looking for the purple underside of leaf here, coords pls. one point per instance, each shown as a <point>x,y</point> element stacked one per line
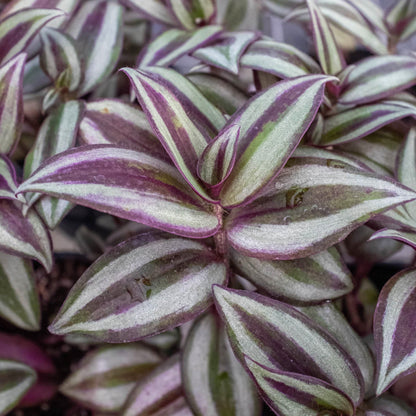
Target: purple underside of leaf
<point>408,238</point>
<point>150,283</point>
<point>310,207</point>
<point>395,329</point>
<point>125,183</point>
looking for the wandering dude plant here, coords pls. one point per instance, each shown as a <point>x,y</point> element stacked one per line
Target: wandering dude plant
<point>238,192</point>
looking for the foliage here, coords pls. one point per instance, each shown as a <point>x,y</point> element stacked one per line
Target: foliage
<point>234,177</point>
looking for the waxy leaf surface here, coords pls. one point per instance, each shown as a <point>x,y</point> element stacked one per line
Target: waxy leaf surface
<point>19,302</point>
<point>150,284</point>
<point>378,77</point>
<point>277,336</point>
<point>220,386</point>
<point>97,29</point>
<point>280,59</point>
<point>57,134</point>
<point>15,380</point>
<point>125,183</point>
<point>175,43</point>
<point>180,119</point>
<point>394,329</point>
<point>291,394</point>
<point>312,205</point>
<point>359,122</point>
<point>271,124</point>
<point>11,102</point>
<point>226,52</point>
<point>18,30</point>
<point>105,377</point>
<point>312,279</point>
<point>24,235</point>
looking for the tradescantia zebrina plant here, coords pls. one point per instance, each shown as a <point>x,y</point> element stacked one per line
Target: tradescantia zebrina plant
<point>239,193</point>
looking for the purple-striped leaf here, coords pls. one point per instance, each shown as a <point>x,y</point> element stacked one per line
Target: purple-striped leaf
<point>409,30</point>
<point>19,302</point>
<point>271,124</point>
<point>218,158</point>
<point>97,29</point>
<point>172,44</point>
<point>151,283</point>
<point>57,134</point>
<point>106,376</point>
<point>193,13</point>
<point>127,184</point>
<point>329,55</point>
<point>24,235</point>
<point>310,280</point>
<point>282,8</point>
<point>280,59</point>
<point>279,337</point>
<point>372,12</point>
<point>348,19</point>
<point>160,393</point>
<point>34,79</point>
<point>378,77</point>
<point>328,317</point>
<point>222,93</point>
<point>60,61</point>
<point>312,205</point>
<point>400,18</point>
<point>220,386</point>
<point>8,181</point>
<point>388,405</point>
<point>110,121</point>
<point>181,119</point>
<point>15,380</point>
<point>16,5</point>
<point>394,329</point>
<point>18,30</point>
<point>358,122</point>
<point>11,102</point>
<point>291,394</point>
<point>226,52</point>
<point>406,237</point>
<point>152,9</point>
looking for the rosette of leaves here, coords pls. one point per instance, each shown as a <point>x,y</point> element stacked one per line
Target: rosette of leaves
<point>243,188</point>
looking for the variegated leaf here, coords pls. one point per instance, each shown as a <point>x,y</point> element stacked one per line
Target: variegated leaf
<point>328,317</point>
<point>310,280</point>
<point>398,17</point>
<point>271,124</point>
<point>409,30</point>
<point>394,329</point>
<point>193,13</point>
<point>172,44</point>
<point>15,380</point>
<point>240,14</point>
<point>406,161</point>
<point>97,29</point>
<point>362,120</point>
<point>279,337</point>
<point>291,394</point>
<point>226,52</point>
<point>60,61</point>
<point>11,102</point>
<point>218,158</point>
<point>16,5</point>
<point>280,59</point>
<point>19,302</point>
<point>151,283</point>
<point>181,119</point>
<point>110,121</point>
<point>106,376</point>
<point>154,194</point>
<point>329,55</point>
<point>18,30</point>
<point>220,386</point>
<point>57,134</point>
<point>388,405</point>
<point>406,237</point>
<point>24,235</point>
<point>223,94</point>
<point>161,389</point>
<point>378,77</point>
<point>8,181</point>
<point>313,205</point>
<point>372,13</point>
<point>153,9</point>
<point>34,79</point>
